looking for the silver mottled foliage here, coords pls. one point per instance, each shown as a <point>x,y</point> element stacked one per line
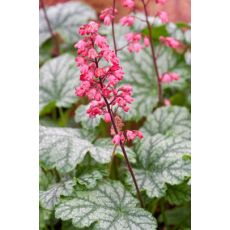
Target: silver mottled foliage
<point>110,205</point>
<point>64,148</point>
<point>65,19</point>
<point>82,117</point>
<point>161,161</point>
<point>169,121</point>
<point>89,180</point>
<point>51,197</point>
<point>58,78</point>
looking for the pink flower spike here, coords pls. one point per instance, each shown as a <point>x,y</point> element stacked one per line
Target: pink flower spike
<point>146,41</point>
<point>167,102</point>
<point>127,21</point>
<point>161,2</point>
<point>107,117</point>
<point>116,139</point>
<point>170,42</point>
<point>128,3</point>
<point>163,16</point>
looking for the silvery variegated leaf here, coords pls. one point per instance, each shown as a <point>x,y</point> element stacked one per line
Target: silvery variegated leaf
<point>110,206</point>
<point>65,19</point>
<point>90,178</point>
<point>50,198</point>
<point>58,78</point>
<point>82,117</point>
<point>64,148</point>
<point>161,161</point>
<point>169,121</point>
<point>139,73</point>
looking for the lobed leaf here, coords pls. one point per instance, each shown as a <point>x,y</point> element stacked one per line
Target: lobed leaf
<point>58,78</point>
<point>169,121</point>
<point>50,198</point>
<point>110,206</point>
<point>161,161</point>
<point>65,19</point>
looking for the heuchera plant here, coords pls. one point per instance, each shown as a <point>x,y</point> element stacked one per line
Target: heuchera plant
<point>88,183</point>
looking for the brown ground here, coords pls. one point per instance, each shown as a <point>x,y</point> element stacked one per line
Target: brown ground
<point>178,10</point>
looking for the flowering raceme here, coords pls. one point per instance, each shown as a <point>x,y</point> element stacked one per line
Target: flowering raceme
<point>100,73</point>
<point>107,15</point>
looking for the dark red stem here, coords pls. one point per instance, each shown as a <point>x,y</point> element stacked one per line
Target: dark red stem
<point>154,59</point>
<point>113,31</point>
<point>121,144</point>
<point>55,51</point>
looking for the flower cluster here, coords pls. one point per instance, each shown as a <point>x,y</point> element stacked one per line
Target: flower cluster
<point>170,42</point>
<point>128,135</point>
<point>169,77</point>
<point>128,3</point>
<point>100,72</point>
<point>134,40</point>
<point>107,15</point>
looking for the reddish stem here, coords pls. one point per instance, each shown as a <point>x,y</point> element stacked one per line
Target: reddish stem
<point>113,30</point>
<point>154,59</point>
<point>121,144</point>
<point>55,51</point>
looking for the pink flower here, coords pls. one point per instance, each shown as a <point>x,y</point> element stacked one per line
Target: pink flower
<point>89,28</point>
<point>170,42</point>
<point>100,41</point>
<point>134,47</point>
<point>116,139</point>
<point>100,72</point>
<point>107,15</point>
<point>163,16</point>
<point>139,134</point>
<point>79,61</point>
<point>130,135</point>
<point>169,77</point>
<point>128,3</point>
<point>146,41</point>
<point>127,21</point>
<point>161,1</point>
<point>167,102</point>
<point>107,117</point>
<point>92,53</point>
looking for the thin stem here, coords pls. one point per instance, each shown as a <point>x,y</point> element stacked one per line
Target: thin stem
<point>55,52</point>
<point>123,149</point>
<point>113,30</point>
<point>154,59</point>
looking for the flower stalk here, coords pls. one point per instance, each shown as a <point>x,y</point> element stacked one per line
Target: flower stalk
<point>154,59</point>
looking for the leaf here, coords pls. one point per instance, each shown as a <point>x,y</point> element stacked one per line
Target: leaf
<point>44,218</point>
<point>161,161</point>
<point>58,78</point>
<point>82,117</point>
<point>139,73</point>
<point>50,198</point>
<point>64,148</point>
<point>110,205</point>
<point>178,194</point>
<point>179,216</point>
<point>169,121</point>
<point>65,19</point>
<point>89,180</point>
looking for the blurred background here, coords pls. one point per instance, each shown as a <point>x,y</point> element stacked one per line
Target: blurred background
<point>178,10</point>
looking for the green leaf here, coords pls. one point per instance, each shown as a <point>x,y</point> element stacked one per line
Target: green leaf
<point>160,162</point>
<point>179,217</point>
<point>169,121</point>
<point>58,78</point>
<point>50,198</point>
<point>44,218</point>
<point>110,205</point>
<point>178,194</point>
<point>82,117</point>
<point>139,73</point>
<point>64,148</point>
<point>65,19</point>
